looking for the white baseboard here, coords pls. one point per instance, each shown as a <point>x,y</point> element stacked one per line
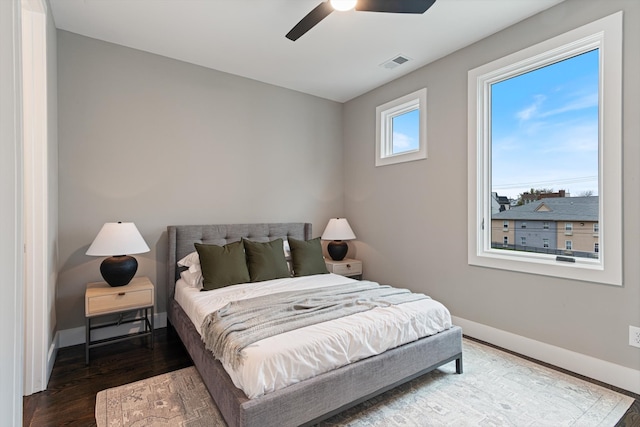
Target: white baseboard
<point>601,370</point>
<point>75,336</point>
<point>51,356</point>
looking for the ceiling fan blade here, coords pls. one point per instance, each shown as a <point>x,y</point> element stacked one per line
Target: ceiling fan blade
<point>394,6</point>
<point>308,22</point>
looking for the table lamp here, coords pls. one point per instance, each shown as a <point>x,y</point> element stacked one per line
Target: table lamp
<point>338,230</point>
<point>117,240</point>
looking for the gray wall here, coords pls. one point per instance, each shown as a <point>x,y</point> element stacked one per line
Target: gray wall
<point>159,142</point>
<point>417,237</point>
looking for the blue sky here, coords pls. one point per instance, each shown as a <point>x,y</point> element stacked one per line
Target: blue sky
<point>545,129</point>
<point>405,131</point>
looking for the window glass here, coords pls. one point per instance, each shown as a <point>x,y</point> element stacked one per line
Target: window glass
<point>539,119</point>
<point>406,135</point>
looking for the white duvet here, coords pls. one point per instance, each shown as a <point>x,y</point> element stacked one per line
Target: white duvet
<point>285,359</point>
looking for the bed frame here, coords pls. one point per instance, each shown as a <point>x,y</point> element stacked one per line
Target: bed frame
<point>312,400</point>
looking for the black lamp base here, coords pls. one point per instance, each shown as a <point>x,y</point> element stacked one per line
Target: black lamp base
<point>118,270</point>
<point>337,249</point>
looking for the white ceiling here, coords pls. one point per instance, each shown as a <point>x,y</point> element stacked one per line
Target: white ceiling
<point>338,59</point>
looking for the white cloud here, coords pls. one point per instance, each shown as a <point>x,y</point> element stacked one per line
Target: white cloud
<point>531,110</point>
<point>403,142</point>
<point>586,101</point>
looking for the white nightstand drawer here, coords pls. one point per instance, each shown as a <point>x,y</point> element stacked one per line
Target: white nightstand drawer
<point>346,267</point>
<point>101,299</point>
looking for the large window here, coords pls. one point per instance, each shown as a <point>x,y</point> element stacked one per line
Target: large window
<point>401,129</point>
<point>545,131</point>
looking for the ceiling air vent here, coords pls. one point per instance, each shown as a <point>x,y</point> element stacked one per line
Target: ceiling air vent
<point>393,63</point>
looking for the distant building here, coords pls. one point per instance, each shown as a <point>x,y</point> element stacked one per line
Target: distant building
<point>499,203</point>
<point>533,197</point>
<point>558,225</point>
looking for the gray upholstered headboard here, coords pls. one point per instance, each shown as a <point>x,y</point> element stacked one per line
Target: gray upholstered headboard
<point>182,238</point>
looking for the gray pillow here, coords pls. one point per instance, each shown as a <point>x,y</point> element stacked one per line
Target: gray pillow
<point>222,265</point>
<point>306,257</point>
<point>266,260</point>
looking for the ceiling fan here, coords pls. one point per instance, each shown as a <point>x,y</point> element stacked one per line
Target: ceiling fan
<point>325,8</point>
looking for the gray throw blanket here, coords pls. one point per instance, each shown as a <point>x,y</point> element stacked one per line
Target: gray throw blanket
<point>227,331</point>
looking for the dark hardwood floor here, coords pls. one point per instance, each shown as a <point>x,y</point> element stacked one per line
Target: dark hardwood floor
<point>71,395</point>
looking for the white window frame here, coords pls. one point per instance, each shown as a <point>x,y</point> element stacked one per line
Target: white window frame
<point>385,114</point>
<point>545,243</point>
<point>505,225</point>
<point>568,229</point>
<point>568,245</point>
<point>606,35</point>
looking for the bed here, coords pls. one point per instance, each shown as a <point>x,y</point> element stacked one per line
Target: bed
<point>310,400</point>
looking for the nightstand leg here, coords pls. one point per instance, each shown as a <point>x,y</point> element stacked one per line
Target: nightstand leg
<point>152,327</point>
<point>87,339</point>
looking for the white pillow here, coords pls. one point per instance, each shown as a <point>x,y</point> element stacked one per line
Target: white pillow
<point>286,248</point>
<point>193,276</point>
<point>190,260</point>
<point>192,279</point>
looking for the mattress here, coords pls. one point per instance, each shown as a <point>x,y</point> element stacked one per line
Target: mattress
<point>285,359</point>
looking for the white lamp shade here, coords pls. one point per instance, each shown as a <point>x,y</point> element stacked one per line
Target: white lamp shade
<point>118,238</point>
<point>338,229</point>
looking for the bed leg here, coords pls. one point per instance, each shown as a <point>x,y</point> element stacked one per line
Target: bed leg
<point>459,365</point>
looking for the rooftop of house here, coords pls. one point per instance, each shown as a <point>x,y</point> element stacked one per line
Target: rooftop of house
<point>554,209</point>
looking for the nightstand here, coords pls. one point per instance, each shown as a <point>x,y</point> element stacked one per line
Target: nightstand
<point>100,299</point>
<point>347,267</point>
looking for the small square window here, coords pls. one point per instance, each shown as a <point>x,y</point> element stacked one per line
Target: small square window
<point>401,129</point>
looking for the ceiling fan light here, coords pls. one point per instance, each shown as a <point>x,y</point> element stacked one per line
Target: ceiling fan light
<point>343,5</point>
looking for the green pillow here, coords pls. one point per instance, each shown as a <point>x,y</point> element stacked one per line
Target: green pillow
<point>266,260</point>
<point>222,265</point>
<point>306,257</point>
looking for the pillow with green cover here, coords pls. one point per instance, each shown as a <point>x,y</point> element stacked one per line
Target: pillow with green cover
<point>266,260</point>
<point>306,257</point>
<point>222,265</point>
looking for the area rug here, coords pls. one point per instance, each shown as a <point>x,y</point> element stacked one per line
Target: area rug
<point>496,389</point>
